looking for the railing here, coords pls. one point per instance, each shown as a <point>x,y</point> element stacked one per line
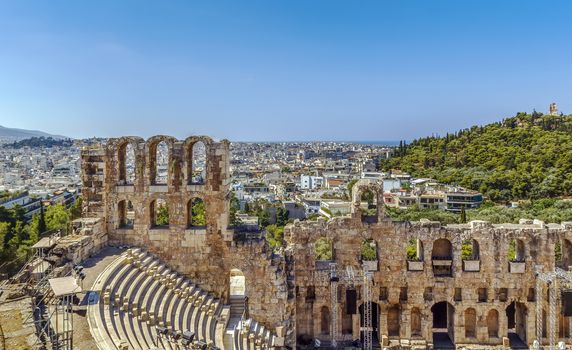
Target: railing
<point>21,195</point>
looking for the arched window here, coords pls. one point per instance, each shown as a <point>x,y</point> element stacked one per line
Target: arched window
<point>369,213</point>
<point>415,322</point>
<point>159,163</point>
<point>323,249</point>
<point>196,213</point>
<point>442,256</point>
<point>415,250</point>
<point>196,163</point>
<point>126,160</point>
<point>126,214</point>
<point>159,213</point>
<point>493,323</point>
<point>516,251</point>
<point>442,250</point>
<point>470,323</point>
<point>470,250</point>
<point>368,250</point>
<point>325,320</point>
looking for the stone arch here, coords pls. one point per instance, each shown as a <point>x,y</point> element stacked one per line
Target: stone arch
<point>374,319</point>
<point>376,188</point>
<point>324,320</point>
<point>442,249</point>
<point>415,322</point>
<point>161,164</point>
<point>516,314</point>
<point>196,213</point>
<point>442,256</point>
<point>125,214</point>
<point>159,213</point>
<point>126,162</point>
<point>493,323</point>
<point>470,249</point>
<point>470,323</point>
<point>237,283</point>
<point>516,250</point>
<point>124,151</point>
<point>196,149</point>
<point>444,321</point>
<point>414,250</point>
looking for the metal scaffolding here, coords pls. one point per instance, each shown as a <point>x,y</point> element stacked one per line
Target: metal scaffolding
<point>336,276</point>
<point>553,282</point>
<point>367,322</point>
<point>334,303</point>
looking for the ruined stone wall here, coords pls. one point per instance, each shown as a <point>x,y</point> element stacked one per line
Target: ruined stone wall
<point>206,254</point>
<point>405,298</point>
<point>291,292</point>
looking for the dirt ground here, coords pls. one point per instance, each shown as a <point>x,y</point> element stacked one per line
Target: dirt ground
<point>18,336</point>
<point>92,267</point>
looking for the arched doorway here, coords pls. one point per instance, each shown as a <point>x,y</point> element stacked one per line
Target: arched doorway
<point>126,160</point>
<point>374,322</point>
<point>516,315</point>
<point>443,325</point>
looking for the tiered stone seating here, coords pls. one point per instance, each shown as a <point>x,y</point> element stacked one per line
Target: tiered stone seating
<point>138,293</point>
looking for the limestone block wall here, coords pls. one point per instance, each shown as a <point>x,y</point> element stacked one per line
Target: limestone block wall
<point>206,254</point>
<point>290,292</point>
<point>399,292</point>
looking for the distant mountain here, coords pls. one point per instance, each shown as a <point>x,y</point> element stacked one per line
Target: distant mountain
<point>13,134</point>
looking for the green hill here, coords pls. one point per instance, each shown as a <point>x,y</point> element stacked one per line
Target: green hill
<point>528,156</point>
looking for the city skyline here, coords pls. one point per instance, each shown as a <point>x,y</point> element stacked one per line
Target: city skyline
<point>258,71</point>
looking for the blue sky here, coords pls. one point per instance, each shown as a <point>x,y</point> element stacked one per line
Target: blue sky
<point>280,70</point>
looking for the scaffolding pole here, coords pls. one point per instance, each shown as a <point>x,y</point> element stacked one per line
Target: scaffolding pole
<point>554,281</point>
<point>367,324</point>
<point>334,303</point>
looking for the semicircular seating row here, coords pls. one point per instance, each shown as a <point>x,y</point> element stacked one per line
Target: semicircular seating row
<point>140,297</point>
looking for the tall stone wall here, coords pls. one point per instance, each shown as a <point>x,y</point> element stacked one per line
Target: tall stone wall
<point>484,286</point>
<point>290,292</point>
<point>206,254</point>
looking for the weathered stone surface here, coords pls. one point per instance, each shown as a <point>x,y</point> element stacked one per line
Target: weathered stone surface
<point>290,292</point>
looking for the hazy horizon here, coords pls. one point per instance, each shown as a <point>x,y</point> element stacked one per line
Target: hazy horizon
<point>296,70</point>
